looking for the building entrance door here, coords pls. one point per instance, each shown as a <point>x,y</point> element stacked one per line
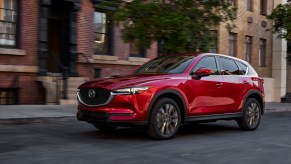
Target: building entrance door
<point>58,37</point>
<point>54,46</point>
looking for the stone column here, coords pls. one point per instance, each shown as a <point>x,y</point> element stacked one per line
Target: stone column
<point>279,70</point>
<point>279,63</point>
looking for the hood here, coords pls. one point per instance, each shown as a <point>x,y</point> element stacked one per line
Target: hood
<point>115,82</point>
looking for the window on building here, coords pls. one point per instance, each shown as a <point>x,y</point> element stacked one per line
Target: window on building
<point>8,96</point>
<point>262,53</point>
<point>249,5</point>
<point>135,51</point>
<point>289,46</point>
<point>97,72</point>
<point>233,2</point>
<point>8,22</point>
<point>263,7</point>
<point>289,52</point>
<point>214,45</point>
<point>102,33</point>
<point>248,42</point>
<point>232,47</point>
<point>161,44</point>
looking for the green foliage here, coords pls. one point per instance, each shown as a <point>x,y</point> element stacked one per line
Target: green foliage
<point>183,25</point>
<point>281,16</point>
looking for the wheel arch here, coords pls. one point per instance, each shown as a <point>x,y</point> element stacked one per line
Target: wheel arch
<point>258,96</point>
<point>174,95</point>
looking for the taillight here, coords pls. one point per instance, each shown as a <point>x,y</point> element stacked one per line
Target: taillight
<point>257,79</point>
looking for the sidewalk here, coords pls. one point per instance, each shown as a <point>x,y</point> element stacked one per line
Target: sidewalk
<point>34,113</point>
<point>277,107</point>
<point>21,114</point>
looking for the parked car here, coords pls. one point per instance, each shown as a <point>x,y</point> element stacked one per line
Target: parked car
<point>170,90</point>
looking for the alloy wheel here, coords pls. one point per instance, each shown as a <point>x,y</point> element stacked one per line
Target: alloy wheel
<point>253,114</point>
<point>167,119</point>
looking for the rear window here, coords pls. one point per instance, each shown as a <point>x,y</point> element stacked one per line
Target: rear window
<point>242,68</point>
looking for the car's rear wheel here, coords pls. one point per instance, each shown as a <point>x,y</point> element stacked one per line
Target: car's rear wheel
<point>251,115</point>
<point>105,127</point>
<point>165,119</point>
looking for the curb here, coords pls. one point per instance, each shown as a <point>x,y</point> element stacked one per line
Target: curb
<point>277,110</point>
<point>22,121</point>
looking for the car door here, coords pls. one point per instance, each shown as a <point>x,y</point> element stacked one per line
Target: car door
<point>233,84</point>
<point>205,96</point>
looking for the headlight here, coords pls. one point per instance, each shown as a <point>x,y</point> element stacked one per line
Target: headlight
<point>128,91</point>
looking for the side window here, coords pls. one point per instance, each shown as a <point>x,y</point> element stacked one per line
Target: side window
<point>228,66</point>
<point>242,68</point>
<point>207,62</point>
<point>135,51</point>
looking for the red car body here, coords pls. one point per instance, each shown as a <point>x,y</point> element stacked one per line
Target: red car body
<point>210,96</point>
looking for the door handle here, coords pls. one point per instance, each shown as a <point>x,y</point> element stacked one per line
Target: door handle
<point>219,85</point>
<point>246,82</point>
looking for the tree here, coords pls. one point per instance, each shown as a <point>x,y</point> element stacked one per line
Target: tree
<point>182,25</point>
<point>281,17</point>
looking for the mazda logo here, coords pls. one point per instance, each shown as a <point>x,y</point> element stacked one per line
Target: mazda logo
<point>91,93</point>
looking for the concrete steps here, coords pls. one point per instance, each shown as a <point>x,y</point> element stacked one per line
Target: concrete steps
<point>54,89</point>
<point>288,98</point>
<point>73,84</point>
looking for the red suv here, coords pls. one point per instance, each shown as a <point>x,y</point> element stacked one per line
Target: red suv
<point>170,90</point>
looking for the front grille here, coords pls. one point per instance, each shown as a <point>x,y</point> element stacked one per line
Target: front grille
<point>94,96</point>
<point>93,116</point>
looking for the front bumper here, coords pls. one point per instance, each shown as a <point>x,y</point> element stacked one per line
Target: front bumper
<point>118,118</point>
<point>119,108</point>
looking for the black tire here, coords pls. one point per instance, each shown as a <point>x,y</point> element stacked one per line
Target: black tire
<point>252,112</point>
<point>165,119</point>
<point>105,127</point>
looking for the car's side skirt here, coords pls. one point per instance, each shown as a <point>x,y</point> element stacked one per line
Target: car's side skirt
<point>225,116</point>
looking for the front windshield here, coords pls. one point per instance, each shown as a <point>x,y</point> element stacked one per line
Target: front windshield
<point>166,64</point>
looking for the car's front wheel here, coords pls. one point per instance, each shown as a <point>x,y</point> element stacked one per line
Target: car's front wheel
<point>165,119</point>
<point>251,115</point>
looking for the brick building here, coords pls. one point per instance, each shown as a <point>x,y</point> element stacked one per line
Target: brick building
<point>42,40</point>
<point>39,39</point>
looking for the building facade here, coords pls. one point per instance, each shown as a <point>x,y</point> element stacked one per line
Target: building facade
<point>251,40</point>
<point>49,45</point>
<point>44,41</point>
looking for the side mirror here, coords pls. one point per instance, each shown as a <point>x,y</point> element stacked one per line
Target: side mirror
<point>201,72</point>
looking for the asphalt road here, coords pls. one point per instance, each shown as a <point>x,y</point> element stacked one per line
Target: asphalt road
<point>70,141</point>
